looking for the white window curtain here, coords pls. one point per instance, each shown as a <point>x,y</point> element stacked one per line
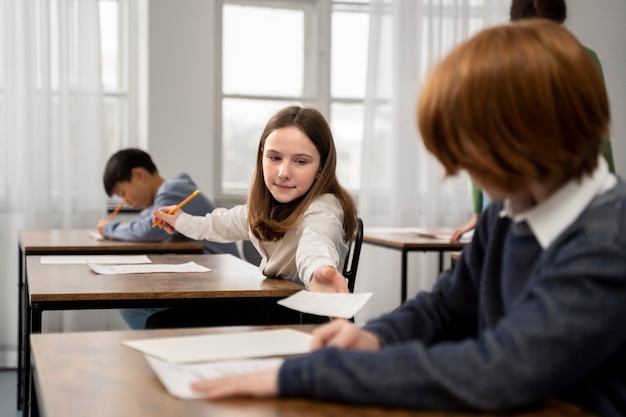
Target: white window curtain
<point>403,185</point>
<point>53,131</point>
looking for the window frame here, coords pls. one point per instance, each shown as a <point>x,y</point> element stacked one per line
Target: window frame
<point>317,79</point>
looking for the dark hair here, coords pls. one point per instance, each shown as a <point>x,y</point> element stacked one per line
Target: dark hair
<point>120,166</point>
<point>555,10</point>
<point>517,102</point>
<point>268,219</point>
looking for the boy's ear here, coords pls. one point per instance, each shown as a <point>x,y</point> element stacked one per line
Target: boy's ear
<point>138,173</point>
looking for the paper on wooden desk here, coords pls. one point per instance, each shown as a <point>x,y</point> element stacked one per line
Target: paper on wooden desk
<point>177,377</point>
<point>216,347</point>
<point>96,259</point>
<point>342,305</point>
<point>147,269</point>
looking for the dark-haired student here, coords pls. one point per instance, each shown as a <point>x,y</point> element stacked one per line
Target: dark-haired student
<point>132,175</point>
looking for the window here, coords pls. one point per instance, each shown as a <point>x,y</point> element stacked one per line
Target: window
<point>278,53</point>
<point>119,30</point>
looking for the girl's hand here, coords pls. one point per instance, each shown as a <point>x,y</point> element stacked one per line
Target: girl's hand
<point>169,220</point>
<point>258,384</point>
<point>345,335</point>
<point>327,279</point>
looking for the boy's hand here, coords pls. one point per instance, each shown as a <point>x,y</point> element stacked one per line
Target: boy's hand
<point>345,335</point>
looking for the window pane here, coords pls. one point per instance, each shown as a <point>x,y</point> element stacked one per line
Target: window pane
<point>115,126</point>
<point>243,123</point>
<point>347,127</point>
<point>349,54</point>
<point>110,42</point>
<point>263,51</point>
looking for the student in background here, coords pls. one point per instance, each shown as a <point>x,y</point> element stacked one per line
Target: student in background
<point>555,10</point>
<point>298,217</point>
<point>132,175</point>
<point>534,309</point>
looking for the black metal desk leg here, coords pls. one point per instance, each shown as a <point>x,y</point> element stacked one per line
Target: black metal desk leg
<point>404,275</point>
<point>33,326</point>
<point>20,324</point>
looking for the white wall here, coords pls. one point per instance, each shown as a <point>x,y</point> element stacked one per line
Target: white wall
<point>180,116</point>
<point>599,26</point>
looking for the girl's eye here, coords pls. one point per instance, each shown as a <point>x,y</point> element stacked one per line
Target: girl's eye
<point>274,158</point>
<point>300,162</point>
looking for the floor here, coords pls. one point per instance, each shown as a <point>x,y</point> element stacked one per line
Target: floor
<point>8,393</point>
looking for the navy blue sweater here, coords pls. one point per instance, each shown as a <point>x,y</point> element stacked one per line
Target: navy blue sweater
<point>512,325</point>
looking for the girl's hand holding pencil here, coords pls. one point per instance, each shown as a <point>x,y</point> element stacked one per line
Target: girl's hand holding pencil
<point>165,217</point>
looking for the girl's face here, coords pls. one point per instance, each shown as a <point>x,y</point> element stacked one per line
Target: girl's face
<point>291,163</point>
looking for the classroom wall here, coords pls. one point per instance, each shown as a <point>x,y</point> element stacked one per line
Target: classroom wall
<point>600,26</point>
<point>180,89</point>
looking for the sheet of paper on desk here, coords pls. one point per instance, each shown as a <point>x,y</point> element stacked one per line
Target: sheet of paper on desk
<point>342,305</point>
<point>96,259</point>
<point>147,269</point>
<point>227,346</point>
<point>443,234</point>
<point>96,235</point>
<point>177,377</point>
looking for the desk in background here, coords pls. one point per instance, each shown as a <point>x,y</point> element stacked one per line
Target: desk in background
<point>76,242</point>
<point>77,287</point>
<point>93,374</point>
<point>405,240</point>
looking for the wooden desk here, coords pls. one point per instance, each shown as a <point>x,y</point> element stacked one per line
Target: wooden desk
<point>76,286</point>
<point>76,242</point>
<point>93,374</point>
<point>405,242</point>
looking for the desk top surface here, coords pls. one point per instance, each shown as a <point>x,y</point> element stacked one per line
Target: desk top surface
<point>228,277</point>
<point>406,238</point>
<point>93,374</point>
<point>78,241</point>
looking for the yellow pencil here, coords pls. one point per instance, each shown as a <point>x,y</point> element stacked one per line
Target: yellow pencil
<point>117,209</point>
<point>176,208</point>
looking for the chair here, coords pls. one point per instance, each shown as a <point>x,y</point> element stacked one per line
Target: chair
<point>250,253</point>
<point>352,260</point>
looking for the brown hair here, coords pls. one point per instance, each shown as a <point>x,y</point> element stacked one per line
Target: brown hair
<point>269,219</point>
<point>516,102</point>
<point>548,9</point>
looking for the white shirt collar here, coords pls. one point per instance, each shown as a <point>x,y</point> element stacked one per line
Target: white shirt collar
<point>552,216</point>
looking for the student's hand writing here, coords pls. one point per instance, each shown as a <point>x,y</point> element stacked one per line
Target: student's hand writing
<point>459,231</point>
<point>327,279</point>
<point>169,220</point>
<point>258,384</point>
<point>101,224</point>
<point>344,334</point>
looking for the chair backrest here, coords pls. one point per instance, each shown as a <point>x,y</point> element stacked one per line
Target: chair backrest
<point>352,260</point>
<point>250,253</point>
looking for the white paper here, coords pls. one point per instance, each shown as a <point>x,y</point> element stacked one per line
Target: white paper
<point>177,378</point>
<point>96,235</point>
<point>216,347</point>
<point>143,269</point>
<point>343,305</point>
<point>97,259</point>
<point>443,234</point>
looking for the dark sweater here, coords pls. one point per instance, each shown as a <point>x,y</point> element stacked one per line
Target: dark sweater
<point>511,326</point>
